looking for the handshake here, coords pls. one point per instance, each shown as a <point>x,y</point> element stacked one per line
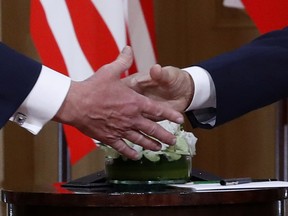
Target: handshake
<point>110,109</point>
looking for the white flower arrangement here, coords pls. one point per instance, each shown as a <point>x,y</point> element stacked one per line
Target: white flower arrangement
<point>185,145</point>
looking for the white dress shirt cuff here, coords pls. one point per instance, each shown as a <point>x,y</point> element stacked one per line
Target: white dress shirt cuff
<point>204,89</point>
<point>204,95</point>
<point>43,102</point>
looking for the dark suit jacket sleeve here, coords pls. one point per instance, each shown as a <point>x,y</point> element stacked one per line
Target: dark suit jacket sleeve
<point>250,77</point>
<point>18,75</point>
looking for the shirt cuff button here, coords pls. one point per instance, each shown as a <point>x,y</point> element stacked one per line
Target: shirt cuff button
<point>20,118</point>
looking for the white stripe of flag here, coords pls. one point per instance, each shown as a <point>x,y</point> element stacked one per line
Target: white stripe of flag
<point>61,25</point>
<point>139,36</point>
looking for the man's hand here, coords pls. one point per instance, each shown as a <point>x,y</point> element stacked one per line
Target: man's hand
<point>104,108</point>
<point>170,86</point>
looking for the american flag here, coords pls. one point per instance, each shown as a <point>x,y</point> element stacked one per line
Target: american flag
<point>268,15</point>
<point>77,37</point>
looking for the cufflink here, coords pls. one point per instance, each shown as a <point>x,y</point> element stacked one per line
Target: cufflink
<point>20,118</point>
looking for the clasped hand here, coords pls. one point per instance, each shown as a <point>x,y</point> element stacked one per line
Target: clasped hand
<point>104,108</point>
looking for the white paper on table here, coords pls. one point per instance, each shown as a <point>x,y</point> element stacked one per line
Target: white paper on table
<point>217,186</point>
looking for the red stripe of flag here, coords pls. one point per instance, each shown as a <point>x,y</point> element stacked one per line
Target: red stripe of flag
<point>268,15</point>
<point>92,33</point>
<point>79,145</point>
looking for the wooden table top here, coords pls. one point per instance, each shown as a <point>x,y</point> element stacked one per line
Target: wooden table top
<point>55,195</point>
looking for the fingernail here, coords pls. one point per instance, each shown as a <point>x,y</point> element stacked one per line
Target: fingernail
<point>174,141</point>
<point>126,50</point>
<point>158,147</point>
<point>136,156</point>
<point>180,120</point>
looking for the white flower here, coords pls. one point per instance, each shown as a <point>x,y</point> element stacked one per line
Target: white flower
<point>185,145</point>
<point>170,126</point>
<point>190,140</point>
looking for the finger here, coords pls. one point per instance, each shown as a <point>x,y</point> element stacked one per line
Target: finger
<point>143,140</point>
<point>121,64</point>
<point>158,110</point>
<point>155,130</point>
<point>136,81</point>
<point>153,118</point>
<point>160,75</point>
<point>144,79</point>
<point>125,60</point>
<point>125,150</point>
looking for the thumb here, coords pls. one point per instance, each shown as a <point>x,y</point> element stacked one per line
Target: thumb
<point>124,60</point>
<point>160,75</point>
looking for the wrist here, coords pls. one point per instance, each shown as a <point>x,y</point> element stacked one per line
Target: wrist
<point>204,89</point>
<point>189,89</point>
<point>66,113</point>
